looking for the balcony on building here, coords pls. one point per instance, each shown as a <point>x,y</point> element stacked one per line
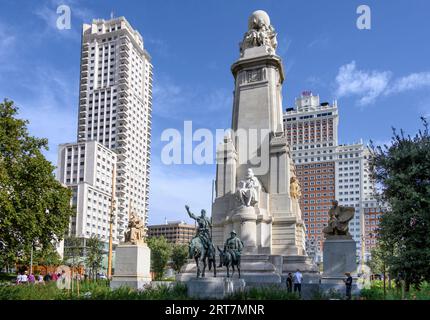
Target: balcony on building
<point>123,81</point>
<point>123,98</point>
<point>123,61</point>
<point>123,53</point>
<point>122,146</point>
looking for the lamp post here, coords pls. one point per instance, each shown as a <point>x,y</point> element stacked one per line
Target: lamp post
<point>111,217</point>
<point>31,258</point>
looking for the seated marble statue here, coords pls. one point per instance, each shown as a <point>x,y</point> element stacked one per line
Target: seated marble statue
<point>248,190</point>
<point>135,234</point>
<point>339,218</point>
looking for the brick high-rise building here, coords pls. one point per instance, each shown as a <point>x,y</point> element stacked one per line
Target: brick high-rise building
<point>326,170</point>
<point>311,128</point>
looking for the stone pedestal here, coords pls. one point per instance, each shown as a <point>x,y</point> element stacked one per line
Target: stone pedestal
<point>132,266</point>
<point>338,257</point>
<point>214,288</point>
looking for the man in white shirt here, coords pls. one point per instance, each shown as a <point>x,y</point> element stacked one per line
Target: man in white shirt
<point>297,280</point>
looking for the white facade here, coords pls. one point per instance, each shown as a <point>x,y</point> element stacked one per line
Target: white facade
<point>114,118</point>
<point>86,167</point>
<point>353,185</point>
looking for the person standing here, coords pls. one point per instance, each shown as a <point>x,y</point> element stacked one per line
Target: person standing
<point>290,282</point>
<point>24,278</point>
<point>19,278</point>
<point>297,280</point>
<point>348,285</point>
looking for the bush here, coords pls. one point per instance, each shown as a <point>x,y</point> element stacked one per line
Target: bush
<point>99,290</point>
<point>376,292</point>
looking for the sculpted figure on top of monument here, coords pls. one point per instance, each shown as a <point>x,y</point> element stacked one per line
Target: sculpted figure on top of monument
<point>135,234</point>
<point>249,189</point>
<point>339,218</point>
<point>260,33</point>
<point>295,190</point>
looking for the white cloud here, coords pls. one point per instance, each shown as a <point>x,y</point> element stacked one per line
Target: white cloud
<point>370,85</point>
<point>410,82</point>
<point>366,84</point>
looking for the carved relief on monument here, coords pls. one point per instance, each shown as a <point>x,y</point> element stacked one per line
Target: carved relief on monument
<point>254,75</point>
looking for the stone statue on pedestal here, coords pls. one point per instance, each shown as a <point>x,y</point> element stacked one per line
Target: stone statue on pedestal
<point>249,190</point>
<point>339,218</point>
<point>136,232</point>
<point>260,33</point>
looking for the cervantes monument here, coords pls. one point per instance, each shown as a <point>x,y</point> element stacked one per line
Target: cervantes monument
<point>257,194</point>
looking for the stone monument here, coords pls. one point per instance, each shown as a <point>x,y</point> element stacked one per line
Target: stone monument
<point>339,252</point>
<point>132,258</point>
<point>256,194</point>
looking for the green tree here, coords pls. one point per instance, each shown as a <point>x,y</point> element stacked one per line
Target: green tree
<point>179,256</point>
<point>161,251</point>
<point>402,172</point>
<point>377,260</point>
<point>46,256</point>
<point>94,256</point>
<point>35,207</point>
<point>73,251</point>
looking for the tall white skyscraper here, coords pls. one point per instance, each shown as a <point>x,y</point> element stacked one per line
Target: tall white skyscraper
<point>114,130</point>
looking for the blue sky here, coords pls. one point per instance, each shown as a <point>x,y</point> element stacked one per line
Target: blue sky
<point>380,77</point>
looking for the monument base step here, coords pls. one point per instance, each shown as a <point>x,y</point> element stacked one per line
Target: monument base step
<point>138,283</point>
<point>214,288</point>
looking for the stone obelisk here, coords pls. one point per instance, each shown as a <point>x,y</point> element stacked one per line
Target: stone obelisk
<point>271,225</point>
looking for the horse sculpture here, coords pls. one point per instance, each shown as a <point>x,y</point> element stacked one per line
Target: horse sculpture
<point>198,252</point>
<point>227,260</point>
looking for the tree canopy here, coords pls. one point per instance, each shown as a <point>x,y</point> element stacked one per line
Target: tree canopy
<point>179,256</point>
<point>35,207</point>
<point>161,251</point>
<point>402,171</point>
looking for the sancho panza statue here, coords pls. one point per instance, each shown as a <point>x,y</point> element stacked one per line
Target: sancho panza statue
<point>260,33</point>
<point>249,189</point>
<point>136,230</point>
<point>339,218</point>
<point>234,245</point>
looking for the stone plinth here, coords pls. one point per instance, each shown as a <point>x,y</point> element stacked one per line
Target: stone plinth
<point>132,266</point>
<point>214,288</point>
<point>339,256</point>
